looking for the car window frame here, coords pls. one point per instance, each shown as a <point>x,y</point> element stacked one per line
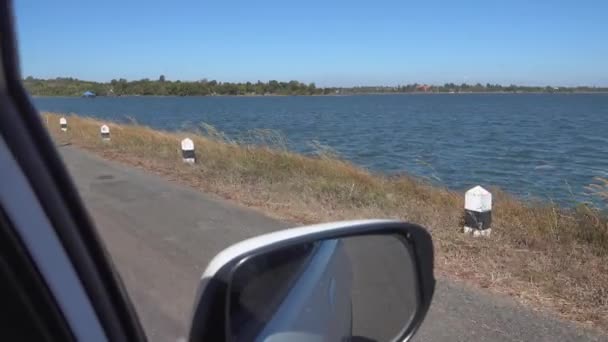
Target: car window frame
<point>42,244</point>
<point>37,159</point>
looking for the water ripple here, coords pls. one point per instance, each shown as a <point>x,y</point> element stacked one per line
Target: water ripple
<point>542,146</point>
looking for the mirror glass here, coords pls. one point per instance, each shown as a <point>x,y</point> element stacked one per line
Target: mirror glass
<point>362,288</point>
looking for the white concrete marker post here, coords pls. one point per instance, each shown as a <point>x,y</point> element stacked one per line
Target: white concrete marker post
<point>478,212</point>
<point>63,123</point>
<point>188,154</point>
<point>105,133</point>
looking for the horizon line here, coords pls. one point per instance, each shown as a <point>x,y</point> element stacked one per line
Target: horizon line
<point>333,86</point>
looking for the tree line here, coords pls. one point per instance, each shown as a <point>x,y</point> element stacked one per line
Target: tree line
<point>470,88</point>
<point>74,87</point>
<point>67,86</point>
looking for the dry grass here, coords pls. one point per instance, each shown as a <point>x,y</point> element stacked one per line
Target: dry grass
<point>599,189</point>
<point>550,258</point>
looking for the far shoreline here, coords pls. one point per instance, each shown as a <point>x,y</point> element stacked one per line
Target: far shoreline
<point>345,95</point>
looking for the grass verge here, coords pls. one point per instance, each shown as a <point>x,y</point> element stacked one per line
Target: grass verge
<point>550,258</point>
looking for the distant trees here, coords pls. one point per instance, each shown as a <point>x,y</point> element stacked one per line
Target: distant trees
<point>121,87</point>
<point>63,86</point>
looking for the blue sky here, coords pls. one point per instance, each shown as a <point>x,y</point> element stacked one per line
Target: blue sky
<point>332,43</point>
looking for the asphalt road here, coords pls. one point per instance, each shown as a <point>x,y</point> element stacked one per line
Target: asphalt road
<point>161,236</point>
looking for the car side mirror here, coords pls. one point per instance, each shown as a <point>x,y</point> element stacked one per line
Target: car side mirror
<point>357,281</point>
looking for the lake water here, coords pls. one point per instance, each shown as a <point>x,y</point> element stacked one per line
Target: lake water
<point>546,146</point>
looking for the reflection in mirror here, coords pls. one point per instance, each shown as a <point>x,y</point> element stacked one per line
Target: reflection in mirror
<point>362,288</point>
